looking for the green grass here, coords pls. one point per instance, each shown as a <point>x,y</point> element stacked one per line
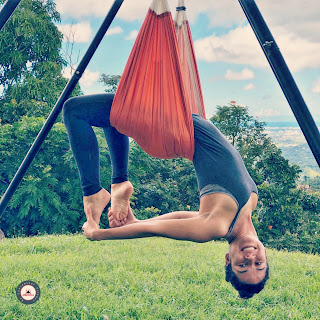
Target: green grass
<point>146,279</point>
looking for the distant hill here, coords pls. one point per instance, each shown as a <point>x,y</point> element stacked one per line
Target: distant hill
<point>303,157</point>
<point>281,124</point>
<point>291,123</point>
<point>289,138</point>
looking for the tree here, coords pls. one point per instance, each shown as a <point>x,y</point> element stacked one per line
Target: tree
<point>261,156</point>
<point>164,185</point>
<point>111,82</point>
<point>28,40</point>
<point>234,121</point>
<point>31,75</point>
<point>42,202</point>
<point>49,198</point>
<point>30,61</point>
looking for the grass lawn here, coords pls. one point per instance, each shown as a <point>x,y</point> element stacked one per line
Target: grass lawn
<point>151,278</point>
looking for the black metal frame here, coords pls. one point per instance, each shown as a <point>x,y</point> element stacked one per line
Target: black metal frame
<point>59,105</point>
<point>268,45</point>
<point>7,11</point>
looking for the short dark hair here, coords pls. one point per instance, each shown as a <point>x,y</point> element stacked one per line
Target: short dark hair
<point>246,291</point>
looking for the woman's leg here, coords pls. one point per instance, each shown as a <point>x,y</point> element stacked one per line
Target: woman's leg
<point>167,216</point>
<point>80,114</point>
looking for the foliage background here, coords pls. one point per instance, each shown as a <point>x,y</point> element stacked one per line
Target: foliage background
<point>49,198</point>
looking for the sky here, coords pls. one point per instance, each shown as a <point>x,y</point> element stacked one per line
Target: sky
<point>231,63</point>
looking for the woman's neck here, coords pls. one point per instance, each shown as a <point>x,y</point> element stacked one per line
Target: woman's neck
<point>243,227</point>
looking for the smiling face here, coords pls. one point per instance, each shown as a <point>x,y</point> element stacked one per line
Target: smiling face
<point>248,259</point>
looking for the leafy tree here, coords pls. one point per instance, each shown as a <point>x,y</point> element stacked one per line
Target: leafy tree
<point>261,156</point>
<point>49,198</point>
<point>31,75</point>
<point>30,61</point>
<point>314,182</point>
<point>29,39</point>
<point>289,220</point>
<point>162,186</point>
<point>42,201</point>
<point>234,121</point>
<point>111,82</point>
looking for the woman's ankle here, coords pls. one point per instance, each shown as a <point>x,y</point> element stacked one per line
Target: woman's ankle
<point>102,193</point>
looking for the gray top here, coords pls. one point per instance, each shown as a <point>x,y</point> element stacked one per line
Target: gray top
<point>219,166</point>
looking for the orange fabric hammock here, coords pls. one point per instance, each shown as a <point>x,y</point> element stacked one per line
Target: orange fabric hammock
<point>152,104</point>
<point>188,59</point>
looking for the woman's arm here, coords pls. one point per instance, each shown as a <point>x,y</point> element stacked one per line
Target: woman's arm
<point>197,229</point>
<point>174,215</point>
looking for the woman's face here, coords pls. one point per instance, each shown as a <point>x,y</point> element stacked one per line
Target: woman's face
<point>248,259</point>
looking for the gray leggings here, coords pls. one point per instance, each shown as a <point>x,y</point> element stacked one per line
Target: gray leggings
<point>82,113</point>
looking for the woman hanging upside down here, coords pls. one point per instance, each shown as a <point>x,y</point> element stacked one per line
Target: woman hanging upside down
<point>228,195</point>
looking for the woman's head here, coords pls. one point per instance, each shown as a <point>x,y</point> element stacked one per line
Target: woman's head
<point>247,266</point>
<point>245,290</point>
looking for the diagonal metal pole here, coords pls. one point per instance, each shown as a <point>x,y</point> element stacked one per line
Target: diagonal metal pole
<point>284,76</point>
<point>7,11</point>
<point>58,107</point>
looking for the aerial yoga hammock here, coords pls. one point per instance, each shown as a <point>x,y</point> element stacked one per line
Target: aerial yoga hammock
<point>188,59</point>
<point>160,87</point>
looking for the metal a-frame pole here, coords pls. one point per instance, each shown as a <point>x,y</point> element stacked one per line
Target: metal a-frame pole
<point>284,76</point>
<point>59,105</point>
<point>7,11</point>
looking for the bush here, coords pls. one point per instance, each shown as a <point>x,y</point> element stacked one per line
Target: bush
<point>49,198</point>
<point>288,219</point>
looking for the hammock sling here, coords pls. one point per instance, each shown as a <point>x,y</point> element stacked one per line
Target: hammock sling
<point>188,59</point>
<point>160,87</point>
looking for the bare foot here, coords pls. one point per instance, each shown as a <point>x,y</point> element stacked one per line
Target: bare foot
<point>115,223</point>
<point>120,196</point>
<point>94,205</point>
<point>89,229</point>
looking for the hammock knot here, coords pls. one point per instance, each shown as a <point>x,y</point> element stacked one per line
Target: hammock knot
<point>181,8</point>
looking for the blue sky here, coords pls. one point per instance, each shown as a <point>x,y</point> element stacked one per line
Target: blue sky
<point>230,61</point>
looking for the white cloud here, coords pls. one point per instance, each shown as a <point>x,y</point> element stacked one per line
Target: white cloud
<point>248,87</point>
<point>300,53</point>
<point>83,8</point>
<point>226,13</point>
<point>130,10</point>
<point>77,33</point>
<point>88,78</point>
<point>316,86</point>
<point>245,74</point>
<point>116,30</point>
<point>133,35</point>
<point>267,112</point>
<point>299,17</point>
<point>295,25</point>
<point>239,46</point>
<point>67,72</point>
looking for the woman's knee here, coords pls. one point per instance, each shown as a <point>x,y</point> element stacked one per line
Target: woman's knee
<point>69,107</point>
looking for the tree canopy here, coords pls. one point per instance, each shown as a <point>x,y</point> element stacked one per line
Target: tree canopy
<point>261,156</point>
<point>29,40</point>
<point>110,81</point>
<point>30,61</point>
